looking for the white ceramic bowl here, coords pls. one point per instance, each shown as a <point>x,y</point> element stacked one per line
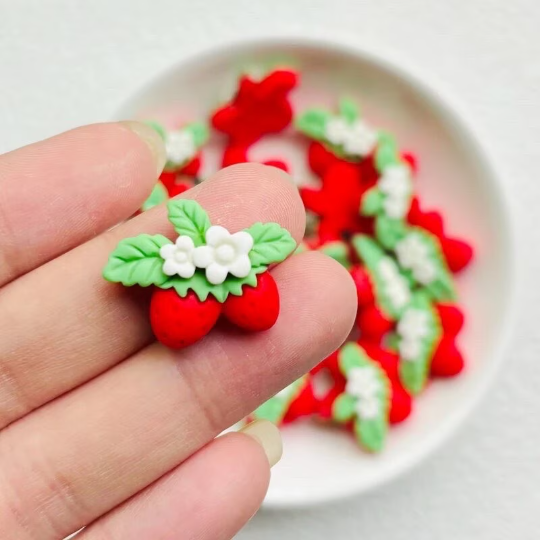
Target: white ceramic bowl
<point>320,464</point>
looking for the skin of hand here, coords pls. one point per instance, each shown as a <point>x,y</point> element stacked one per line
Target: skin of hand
<point>101,427</point>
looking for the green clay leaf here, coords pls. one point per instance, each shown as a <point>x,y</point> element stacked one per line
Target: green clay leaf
<point>272,410</point>
<point>338,251</point>
<point>156,126</point>
<point>313,123</point>
<point>414,373</point>
<point>387,153</point>
<point>159,195</point>
<point>190,219</point>
<point>389,231</point>
<point>348,110</point>
<point>372,255</point>
<point>302,248</point>
<point>343,408</point>
<point>199,132</point>
<point>271,244</point>
<point>136,261</point>
<point>372,202</point>
<point>351,356</point>
<point>202,287</point>
<point>371,434</point>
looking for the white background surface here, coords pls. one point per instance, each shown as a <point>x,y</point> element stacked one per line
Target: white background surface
<point>65,63</point>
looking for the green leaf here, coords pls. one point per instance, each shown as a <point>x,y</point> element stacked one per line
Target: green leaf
<point>159,195</point>
<point>372,433</point>
<point>272,410</point>
<point>136,261</point>
<point>351,356</point>
<point>338,251</point>
<point>372,202</point>
<point>189,218</point>
<point>313,123</point>
<point>343,408</point>
<point>199,132</point>
<point>389,231</point>
<point>162,132</point>
<point>202,287</point>
<point>271,244</point>
<point>348,110</point>
<point>387,153</point>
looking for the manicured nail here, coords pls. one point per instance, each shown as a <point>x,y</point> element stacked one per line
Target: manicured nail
<point>268,436</point>
<point>152,139</point>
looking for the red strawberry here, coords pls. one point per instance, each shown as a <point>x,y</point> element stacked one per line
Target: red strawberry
<point>373,323</point>
<point>178,322</point>
<point>258,307</point>
<point>447,360</point>
<point>319,158</point>
<point>402,403</point>
<point>364,287</point>
<point>457,252</point>
<point>452,319</point>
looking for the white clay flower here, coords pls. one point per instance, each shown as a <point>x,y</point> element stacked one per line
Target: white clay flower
<point>414,324</point>
<point>285,393</point>
<point>180,147</point>
<point>395,183</point>
<point>413,254</point>
<point>356,138</point>
<point>178,257</point>
<point>398,292</point>
<point>224,253</point>
<point>367,409</point>
<point>362,382</point>
<point>425,272</point>
<point>410,349</point>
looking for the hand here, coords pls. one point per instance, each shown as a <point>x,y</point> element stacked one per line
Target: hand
<point>100,426</point>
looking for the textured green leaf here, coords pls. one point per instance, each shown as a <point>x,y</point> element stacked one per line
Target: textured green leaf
<point>271,244</point>
<point>202,288</point>
<point>162,132</point>
<point>338,251</point>
<point>371,202</point>
<point>343,408</point>
<point>189,218</point>
<point>413,374</point>
<point>272,410</point>
<point>313,123</point>
<point>372,433</point>
<point>159,195</point>
<point>387,153</point>
<point>199,132</point>
<point>389,231</point>
<point>136,261</point>
<point>348,110</point>
<point>350,356</point>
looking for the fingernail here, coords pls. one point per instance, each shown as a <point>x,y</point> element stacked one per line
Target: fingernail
<point>152,139</point>
<point>268,436</point>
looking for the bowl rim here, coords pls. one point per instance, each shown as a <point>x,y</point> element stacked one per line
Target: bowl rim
<point>455,111</point>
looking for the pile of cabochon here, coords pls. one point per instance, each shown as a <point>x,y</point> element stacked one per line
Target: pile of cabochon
<point>365,213</point>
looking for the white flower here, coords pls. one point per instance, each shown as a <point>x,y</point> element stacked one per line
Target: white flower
<point>410,349</point>
<point>395,180</point>
<point>356,138</point>
<point>367,409</point>
<point>425,272</point>
<point>413,324</point>
<point>362,382</point>
<point>285,393</point>
<point>180,147</point>
<point>387,269</point>
<point>411,250</point>
<point>395,207</point>
<point>398,292</point>
<point>224,253</point>
<point>178,257</point>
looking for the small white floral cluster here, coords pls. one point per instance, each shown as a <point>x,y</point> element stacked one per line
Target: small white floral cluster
<point>224,253</point>
<point>412,328</point>
<point>395,183</point>
<point>364,384</point>
<point>180,147</point>
<point>413,254</point>
<point>356,138</point>
<point>395,285</point>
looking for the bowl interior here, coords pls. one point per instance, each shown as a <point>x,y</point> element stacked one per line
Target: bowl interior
<point>322,463</point>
